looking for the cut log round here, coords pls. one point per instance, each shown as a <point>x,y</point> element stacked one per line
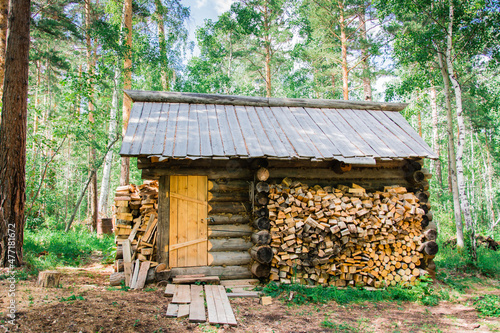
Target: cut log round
<point>117,278</point>
<point>422,196</point>
<point>262,174</point>
<point>429,248</point>
<point>260,270</point>
<point>430,234</point>
<point>49,279</point>
<point>262,223</point>
<point>262,187</point>
<point>262,237</point>
<point>263,212</point>
<point>415,177</point>
<point>262,254</point>
<point>262,199</point>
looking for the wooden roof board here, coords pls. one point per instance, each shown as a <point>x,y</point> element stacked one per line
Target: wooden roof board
<point>161,130</point>
<point>227,138</point>
<point>193,134</point>
<point>367,134</point>
<point>401,122</point>
<point>275,133</point>
<point>316,134</point>
<point>302,131</point>
<point>214,132</point>
<point>141,128</point>
<point>235,130</point>
<point>261,135</point>
<point>133,120</point>
<point>345,128</point>
<point>252,143</point>
<point>151,130</point>
<point>293,134</point>
<point>205,144</point>
<point>181,132</point>
<point>169,143</point>
<point>391,140</point>
<point>344,146</point>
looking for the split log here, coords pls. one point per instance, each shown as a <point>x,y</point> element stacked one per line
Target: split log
<point>262,223</point>
<point>49,279</point>
<point>116,279</point>
<point>262,237</point>
<point>260,270</point>
<point>262,253</point>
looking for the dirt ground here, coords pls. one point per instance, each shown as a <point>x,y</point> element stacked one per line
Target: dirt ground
<point>101,308</point>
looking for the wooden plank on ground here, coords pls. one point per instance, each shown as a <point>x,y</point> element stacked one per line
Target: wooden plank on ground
<point>172,310</point>
<point>182,294</point>
<point>143,274</point>
<point>221,313</point>
<point>230,318</point>
<point>170,290</point>
<point>212,312</point>
<point>183,310</point>
<point>244,294</point>
<point>239,282</point>
<point>127,261</point>
<point>197,308</point>
<point>187,280</point>
<point>133,279</point>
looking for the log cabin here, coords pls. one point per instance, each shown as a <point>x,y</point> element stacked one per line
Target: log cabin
<point>294,190</point>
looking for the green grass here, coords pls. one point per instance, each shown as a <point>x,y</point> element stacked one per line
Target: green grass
<point>340,328</point>
<point>488,305</point>
<point>422,292</point>
<point>456,261</point>
<point>46,249</point>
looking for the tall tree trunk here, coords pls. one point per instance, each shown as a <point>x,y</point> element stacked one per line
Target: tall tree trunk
<point>367,86</point>
<point>343,41</point>
<point>161,38</point>
<point>452,161</point>
<point>13,135</point>
<point>90,71</point>
<point>489,174</point>
<point>127,84</point>
<point>106,173</point>
<point>267,43</point>
<point>4,11</point>
<point>464,201</point>
<point>436,165</point>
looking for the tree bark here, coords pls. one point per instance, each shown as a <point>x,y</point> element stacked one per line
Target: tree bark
<point>127,84</point>
<point>4,11</point>
<point>464,201</point>
<point>13,135</point>
<point>436,165</point>
<point>367,87</point>
<point>161,38</point>
<point>267,42</point>
<point>343,41</point>
<point>452,168</point>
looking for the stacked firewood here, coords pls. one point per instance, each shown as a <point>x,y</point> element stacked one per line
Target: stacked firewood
<point>136,212</point>
<point>347,236</point>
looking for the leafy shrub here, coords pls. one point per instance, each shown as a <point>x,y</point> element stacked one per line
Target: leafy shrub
<point>488,305</point>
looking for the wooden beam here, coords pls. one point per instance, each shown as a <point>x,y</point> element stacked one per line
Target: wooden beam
<point>223,272</point>
<point>163,228</point>
<point>195,98</point>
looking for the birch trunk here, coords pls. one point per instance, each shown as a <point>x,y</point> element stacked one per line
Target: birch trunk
<point>452,166</point>
<point>462,191</point>
<point>436,165</point>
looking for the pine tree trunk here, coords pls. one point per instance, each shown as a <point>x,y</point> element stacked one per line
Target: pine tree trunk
<point>452,162</point>
<point>436,165</point>
<point>13,135</point>
<point>268,53</point>
<point>161,39</point>
<point>343,41</point>
<point>127,84</point>
<point>464,201</point>
<point>4,11</point>
<point>367,86</point>
<point>106,173</point>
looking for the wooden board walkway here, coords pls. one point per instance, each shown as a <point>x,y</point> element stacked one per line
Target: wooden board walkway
<point>190,300</point>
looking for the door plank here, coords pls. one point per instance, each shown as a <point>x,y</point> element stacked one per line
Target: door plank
<point>202,221</point>
<point>182,222</point>
<point>192,222</point>
<point>174,209</point>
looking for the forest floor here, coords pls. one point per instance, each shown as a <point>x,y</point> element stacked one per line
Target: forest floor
<point>86,303</point>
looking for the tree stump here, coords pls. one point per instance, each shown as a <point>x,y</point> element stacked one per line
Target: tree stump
<point>49,279</point>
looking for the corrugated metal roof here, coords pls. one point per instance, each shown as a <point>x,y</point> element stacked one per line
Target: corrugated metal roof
<point>193,131</point>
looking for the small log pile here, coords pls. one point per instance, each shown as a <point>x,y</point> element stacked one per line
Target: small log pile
<point>347,236</point>
<point>136,212</point>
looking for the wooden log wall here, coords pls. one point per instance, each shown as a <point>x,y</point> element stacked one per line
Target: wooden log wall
<point>229,230</point>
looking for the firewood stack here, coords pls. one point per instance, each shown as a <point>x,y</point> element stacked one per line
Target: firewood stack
<point>347,236</point>
<point>136,212</point>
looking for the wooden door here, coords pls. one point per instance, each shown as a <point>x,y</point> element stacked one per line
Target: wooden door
<point>188,221</point>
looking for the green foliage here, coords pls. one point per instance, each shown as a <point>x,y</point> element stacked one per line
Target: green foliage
<point>488,305</point>
<point>422,292</point>
<point>71,298</point>
<point>48,248</point>
<point>455,260</point>
<point>341,328</point>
